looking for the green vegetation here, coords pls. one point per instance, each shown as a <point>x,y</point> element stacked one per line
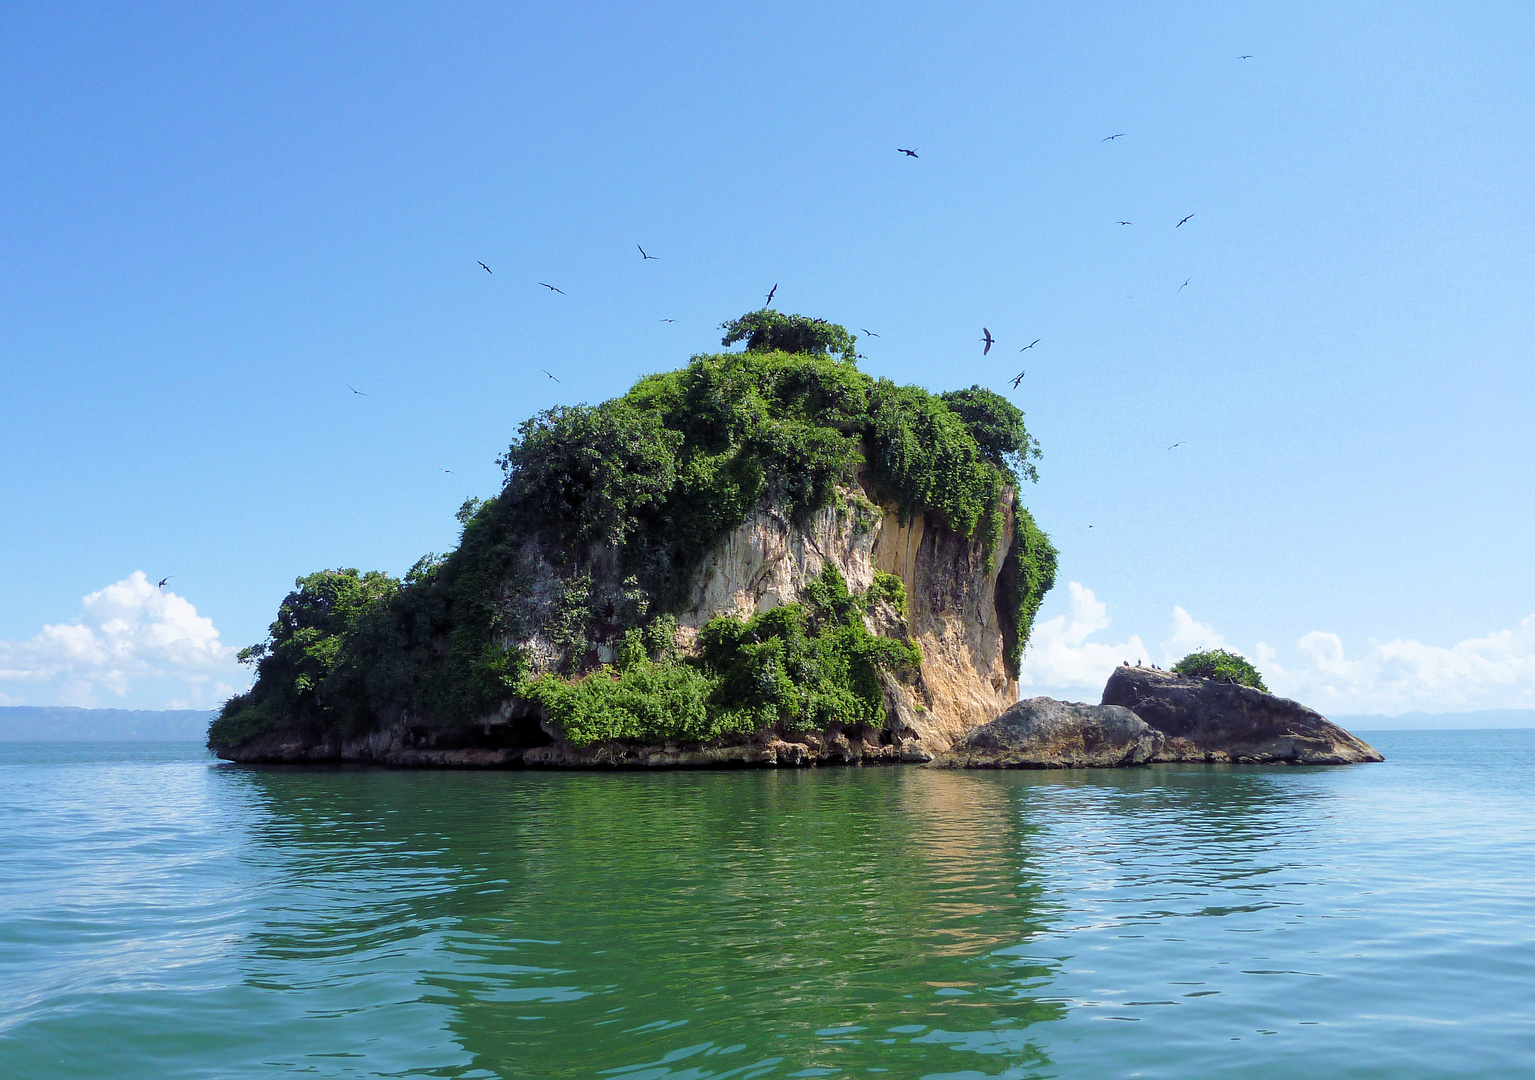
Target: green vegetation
<point>1219,664</point>
<point>620,502</point>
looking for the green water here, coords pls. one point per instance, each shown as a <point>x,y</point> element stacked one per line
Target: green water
<point>165,916</point>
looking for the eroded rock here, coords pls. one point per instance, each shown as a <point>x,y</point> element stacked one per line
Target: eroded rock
<point>1209,720</point>
<point>1042,733</point>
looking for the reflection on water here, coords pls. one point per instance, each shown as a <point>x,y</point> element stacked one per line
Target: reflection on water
<point>161,917</point>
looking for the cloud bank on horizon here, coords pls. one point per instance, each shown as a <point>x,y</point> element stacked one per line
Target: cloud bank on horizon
<point>1070,656</point>
<point>133,646</point>
<point>136,646</point>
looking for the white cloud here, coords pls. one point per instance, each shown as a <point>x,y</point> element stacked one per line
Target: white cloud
<point>1495,671</point>
<point>1189,636</point>
<point>129,634</point>
<point>1060,658</point>
<point>1490,672</point>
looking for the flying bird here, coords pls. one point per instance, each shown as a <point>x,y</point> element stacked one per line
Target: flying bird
<point>1127,223</point>
<point>547,372</point>
<point>771,292</point>
<point>551,288</point>
<point>1111,138</point>
<point>448,471</point>
<point>1185,284</point>
<point>988,339</point>
<point>668,320</point>
<point>643,256</point>
<point>483,266</point>
<point>1175,445</point>
<point>163,581</point>
<point>1180,224</point>
<point>908,153</point>
<point>870,333</point>
<point>1018,379</point>
<point>1249,56</point>
<point>1031,344</point>
<point>354,390</point>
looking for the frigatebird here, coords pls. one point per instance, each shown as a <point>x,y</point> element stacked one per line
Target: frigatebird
<point>1175,445</point>
<point>643,256</point>
<point>1127,223</point>
<point>163,581</point>
<point>1180,224</point>
<point>1249,56</point>
<point>551,288</point>
<point>1031,344</point>
<point>988,339</point>
<point>668,320</point>
<point>1018,379</point>
<point>483,266</point>
<point>1111,138</point>
<point>354,390</point>
<point>870,333</point>
<point>908,153</point>
<point>771,292</point>
<point>1184,285</point>
<point>547,372</point>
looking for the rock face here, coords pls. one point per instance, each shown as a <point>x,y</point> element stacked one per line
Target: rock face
<point>951,603</point>
<point>1207,720</point>
<point>1042,733</point>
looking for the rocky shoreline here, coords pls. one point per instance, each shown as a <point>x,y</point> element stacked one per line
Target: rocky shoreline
<point>1149,715</point>
<point>1146,716</point>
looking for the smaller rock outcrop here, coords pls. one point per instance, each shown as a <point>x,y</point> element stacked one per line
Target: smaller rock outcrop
<point>1042,733</point>
<point>1211,720</point>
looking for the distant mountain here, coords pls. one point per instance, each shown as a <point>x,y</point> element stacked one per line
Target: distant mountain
<point>50,723</point>
<point>1483,718</point>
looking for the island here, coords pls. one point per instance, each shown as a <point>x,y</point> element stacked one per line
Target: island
<point>764,558</point>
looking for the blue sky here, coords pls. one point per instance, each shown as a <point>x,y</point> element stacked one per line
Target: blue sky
<point>217,216</point>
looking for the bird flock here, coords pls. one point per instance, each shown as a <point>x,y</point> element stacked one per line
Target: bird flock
<point>987,339</point>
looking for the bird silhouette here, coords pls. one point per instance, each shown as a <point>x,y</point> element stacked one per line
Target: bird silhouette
<point>1031,344</point>
<point>668,320</point>
<point>547,372</point>
<point>163,581</point>
<point>643,256</point>
<point>1018,379</point>
<point>870,333</point>
<point>354,390</point>
<point>1185,284</point>
<point>1180,224</point>
<point>1127,223</point>
<point>551,288</point>
<point>1249,56</point>
<point>483,266</point>
<point>1175,445</point>
<point>1111,138</point>
<point>988,339</point>
<point>908,153</point>
<point>771,293</point>
<point>448,471</point>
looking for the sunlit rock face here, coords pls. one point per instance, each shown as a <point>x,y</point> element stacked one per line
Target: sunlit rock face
<point>1042,733</point>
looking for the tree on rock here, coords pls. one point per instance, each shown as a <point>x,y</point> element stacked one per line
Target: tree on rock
<point>768,331</point>
<point>1223,665</point>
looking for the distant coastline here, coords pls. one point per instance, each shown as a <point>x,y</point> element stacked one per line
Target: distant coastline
<point>1456,721</point>
<point>59,723</point>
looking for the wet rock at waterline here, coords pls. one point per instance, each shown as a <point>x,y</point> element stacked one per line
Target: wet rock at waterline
<point>1042,733</point>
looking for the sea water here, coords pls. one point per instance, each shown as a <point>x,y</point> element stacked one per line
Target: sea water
<point>164,915</point>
